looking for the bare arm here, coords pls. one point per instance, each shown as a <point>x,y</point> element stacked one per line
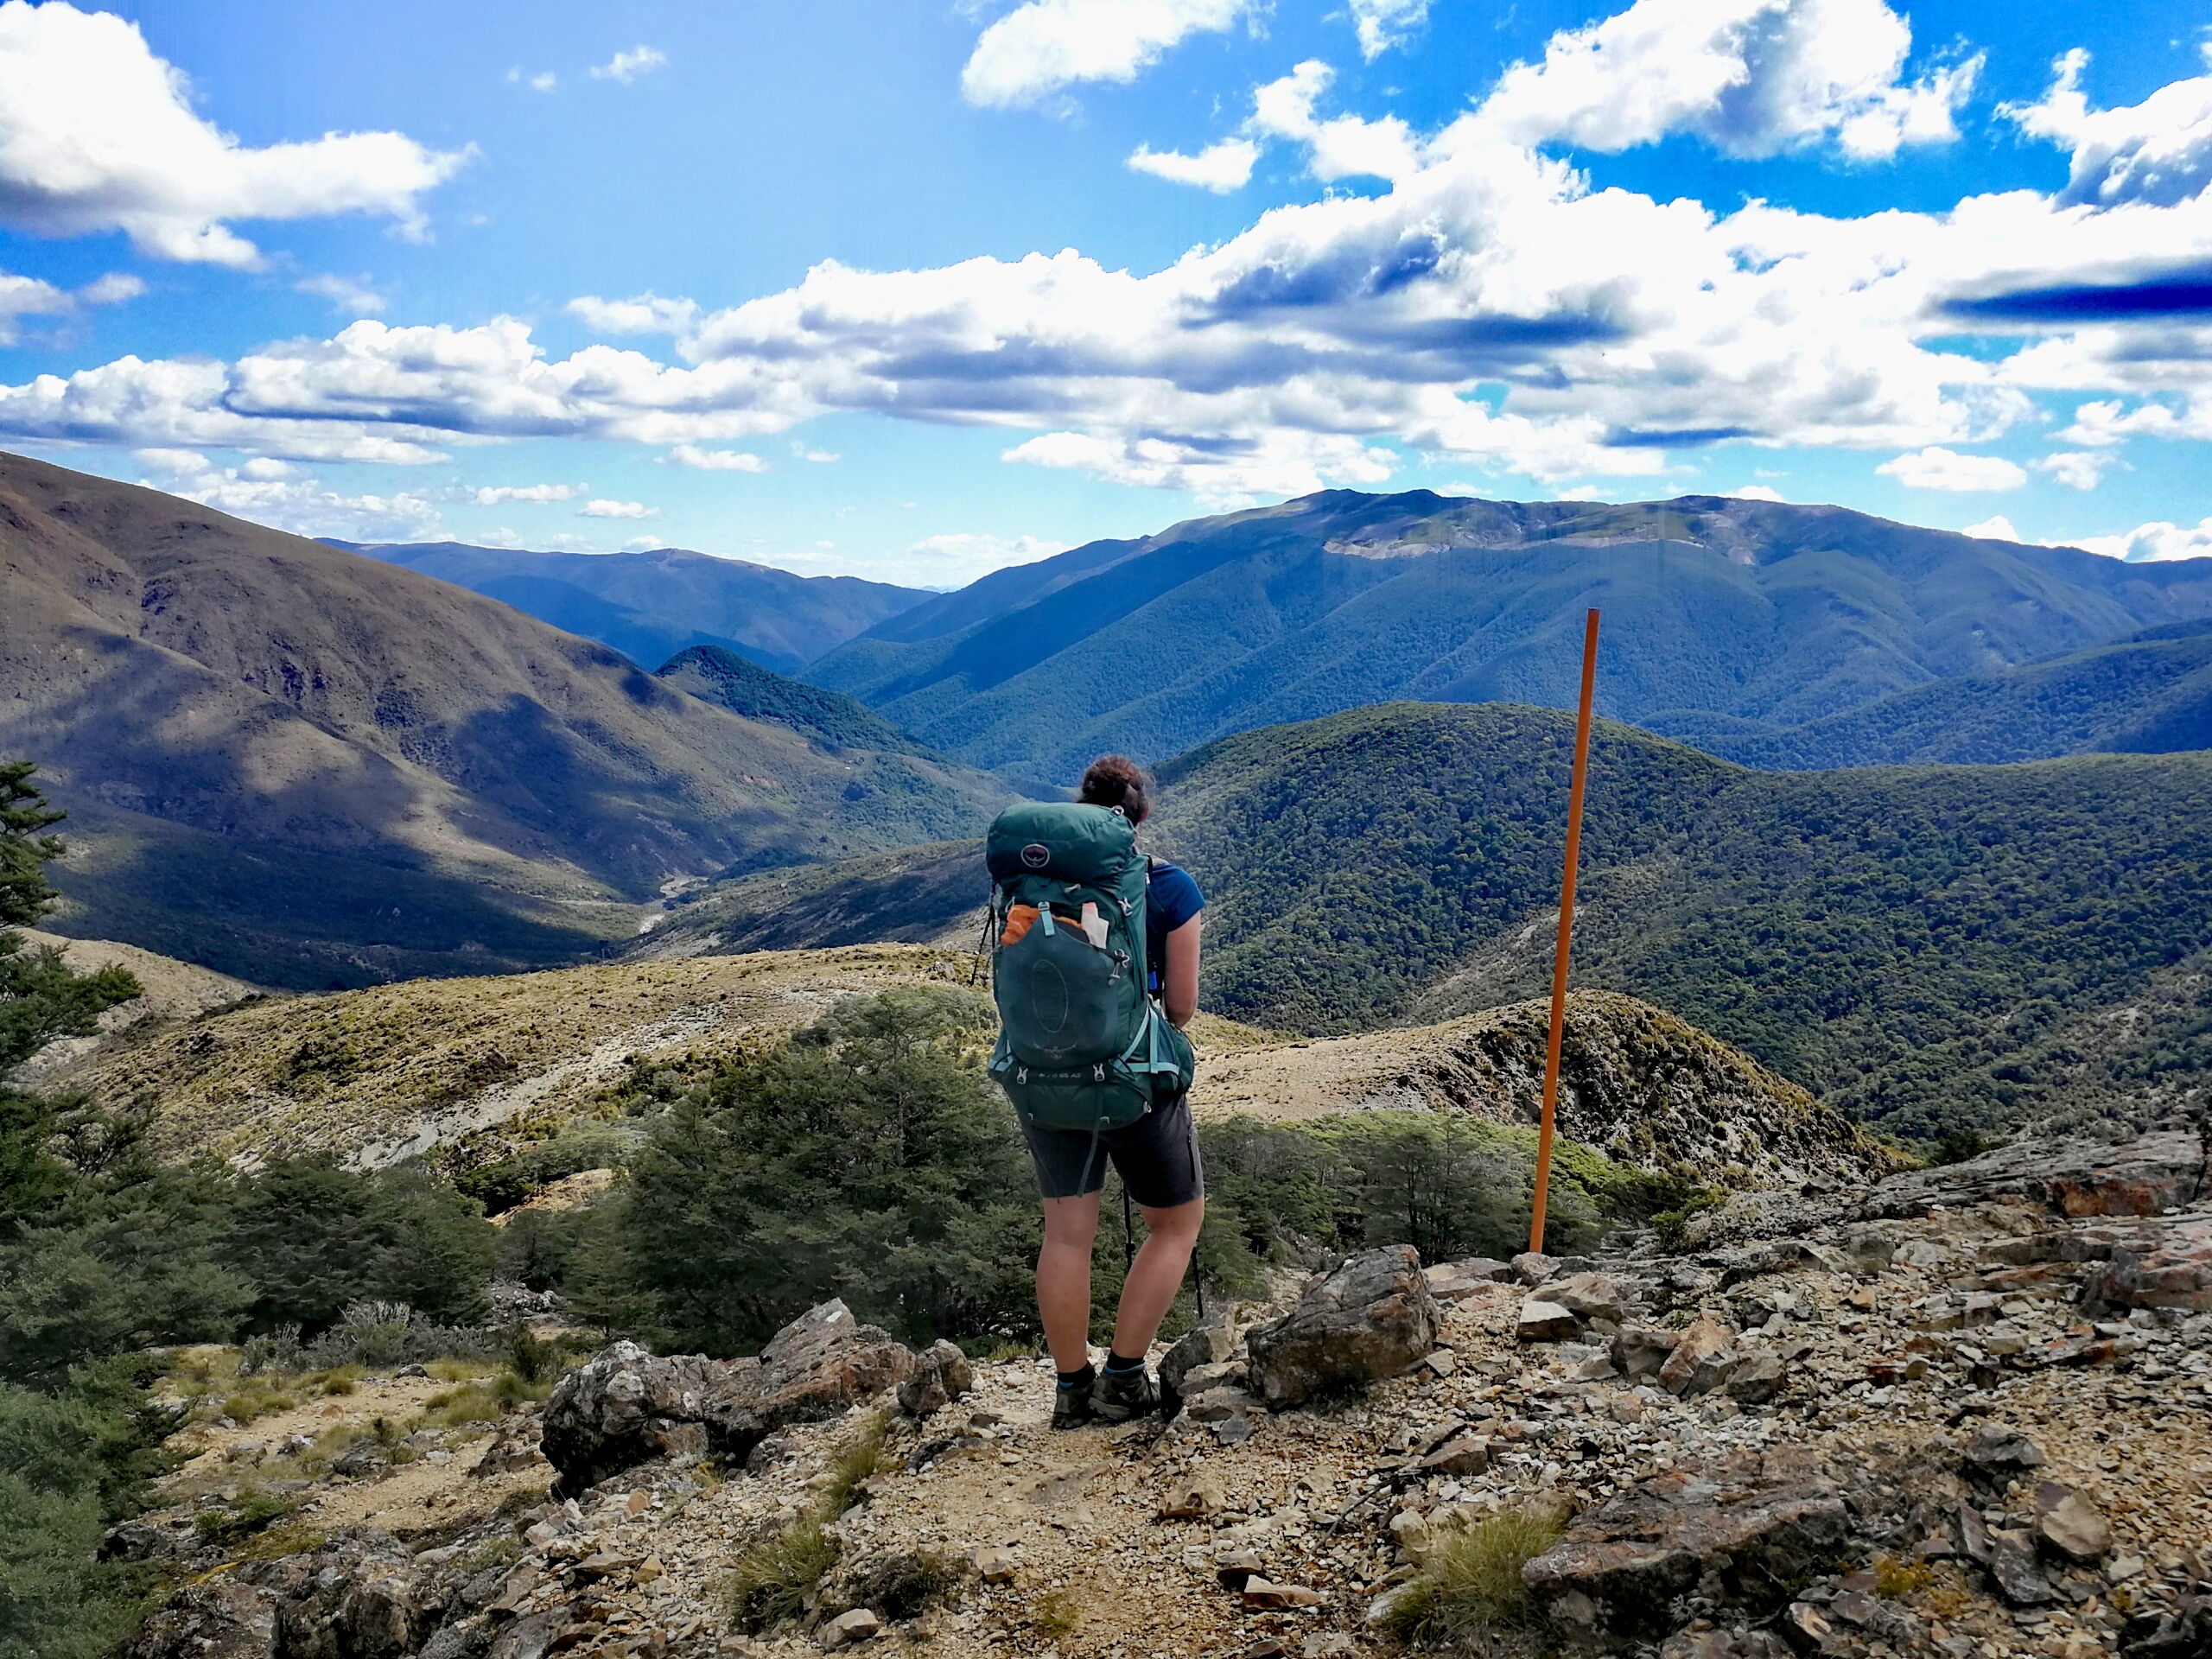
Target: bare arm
<point>1178,976</point>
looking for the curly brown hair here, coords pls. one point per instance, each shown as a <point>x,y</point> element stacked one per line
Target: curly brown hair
<point>1116,780</point>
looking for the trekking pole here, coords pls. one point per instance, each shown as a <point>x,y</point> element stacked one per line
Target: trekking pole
<point>1565,933</point>
<point>1128,1234</point>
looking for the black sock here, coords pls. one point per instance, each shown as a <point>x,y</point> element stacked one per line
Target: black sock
<point>1117,1363</point>
<point>1077,1379</point>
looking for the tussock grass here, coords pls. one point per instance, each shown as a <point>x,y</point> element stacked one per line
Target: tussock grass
<point>483,1400</point>
<point>1471,1583</point>
<point>770,1579</point>
<point>1056,1614</point>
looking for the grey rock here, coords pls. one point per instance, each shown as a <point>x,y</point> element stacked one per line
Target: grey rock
<point>1450,1281</point>
<point>627,1407</point>
<point>1998,1453</point>
<point>1370,1316</point>
<point>942,1374</point>
<point>1642,1350</point>
<point>1700,1342</point>
<point>2009,1558</point>
<point>1757,1524</point>
<point>2148,1176</point>
<point>1545,1321</point>
<point>1204,1344</point>
<point>2068,1524</point>
<point>210,1621</point>
<point>1588,1296</point>
<point>1756,1377</point>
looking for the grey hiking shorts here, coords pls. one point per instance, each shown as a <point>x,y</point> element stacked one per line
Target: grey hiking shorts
<point>1157,1157</point>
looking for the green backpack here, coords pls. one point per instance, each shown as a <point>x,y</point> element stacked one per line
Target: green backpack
<point>1081,1045</point>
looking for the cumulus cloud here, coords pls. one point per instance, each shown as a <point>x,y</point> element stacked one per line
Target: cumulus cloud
<point>1043,46</point>
<point>1938,468</point>
<point>2077,469</point>
<point>1753,78</point>
<point>717,461</point>
<point>1328,343</point>
<point>97,134</point>
<point>1219,168</point>
<point>495,495</point>
<point>627,66</point>
<point>617,509</point>
<point>1381,25</point>
<point>270,492</point>
<point>1997,528</point>
<point>1758,492</point>
<point>2157,151</point>
<point>32,297</point>
<point>351,295</point>
<point>2153,541</point>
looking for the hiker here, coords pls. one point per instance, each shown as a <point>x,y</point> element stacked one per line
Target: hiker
<point>1092,1003</point>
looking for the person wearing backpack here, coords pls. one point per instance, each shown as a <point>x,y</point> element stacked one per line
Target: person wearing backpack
<point>1095,969</point>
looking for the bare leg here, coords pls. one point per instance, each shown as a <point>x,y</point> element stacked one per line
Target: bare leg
<point>1154,1276</point>
<point>1063,1279</point>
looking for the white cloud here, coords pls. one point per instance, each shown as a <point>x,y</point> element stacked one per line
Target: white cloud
<point>2153,541</point>
<point>1326,344</point>
<point>32,297</point>
<point>820,457</point>
<point>1937,468</point>
<point>1381,25</point>
<point>1752,77</point>
<point>495,495</point>
<point>1045,44</point>
<point>628,66</point>
<point>2157,151</point>
<point>96,134</point>
<point>640,543</point>
<point>617,509</point>
<point>268,492</point>
<point>1997,528</point>
<point>1758,492</point>
<point>1219,168</point>
<point>351,295</point>
<point>2077,469</point>
<point>717,461</point>
<point>545,81</point>
<point>644,314</point>
<point>959,558</point>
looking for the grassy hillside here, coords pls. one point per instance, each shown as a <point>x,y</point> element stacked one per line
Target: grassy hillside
<point>916,895</point>
<point>651,605</point>
<point>1930,948</point>
<point>1756,611</point>
<point>294,765</point>
<point>2149,694</point>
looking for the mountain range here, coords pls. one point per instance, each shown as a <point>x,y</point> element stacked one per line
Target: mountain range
<point>650,606</point>
<point>297,765</point>
<point>1930,948</point>
<point>1734,620</point>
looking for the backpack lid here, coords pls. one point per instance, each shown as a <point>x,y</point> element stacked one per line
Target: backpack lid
<point>1065,840</point>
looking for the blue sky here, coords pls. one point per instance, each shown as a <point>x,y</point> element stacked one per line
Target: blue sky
<point>911,290</point>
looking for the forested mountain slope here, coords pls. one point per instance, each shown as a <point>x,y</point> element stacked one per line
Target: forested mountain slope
<point>650,605</point>
<point>1930,947</point>
<point>2151,694</point>
<point>296,765</point>
<point>1765,612</point>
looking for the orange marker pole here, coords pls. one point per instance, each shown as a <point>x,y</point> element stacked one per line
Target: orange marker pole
<point>1566,930</point>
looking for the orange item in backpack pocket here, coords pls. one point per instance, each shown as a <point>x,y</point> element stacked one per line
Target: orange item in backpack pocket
<point>1019,921</point>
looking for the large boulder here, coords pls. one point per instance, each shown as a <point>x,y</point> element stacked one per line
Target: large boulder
<point>627,1405</point>
<point>2147,1176</point>
<point>2174,1270</point>
<point>1753,1527</point>
<point>1370,1316</point>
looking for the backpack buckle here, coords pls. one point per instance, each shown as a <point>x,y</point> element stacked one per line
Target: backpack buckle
<point>1098,1074</point>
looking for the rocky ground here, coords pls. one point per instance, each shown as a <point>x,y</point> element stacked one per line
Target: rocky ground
<point>1963,1412</point>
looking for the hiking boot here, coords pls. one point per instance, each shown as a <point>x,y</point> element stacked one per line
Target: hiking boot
<point>1071,1408</point>
<point>1118,1396</point>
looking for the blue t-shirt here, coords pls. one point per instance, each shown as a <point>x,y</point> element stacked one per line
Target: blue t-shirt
<point>1171,899</point>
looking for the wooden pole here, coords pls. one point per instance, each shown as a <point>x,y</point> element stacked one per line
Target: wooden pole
<point>1566,931</point>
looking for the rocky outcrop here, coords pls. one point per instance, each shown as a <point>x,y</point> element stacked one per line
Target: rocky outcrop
<point>2147,1176</point>
<point>210,1621</point>
<point>2171,1268</point>
<point>1749,1531</point>
<point>1370,1316</point>
<point>627,1405</point>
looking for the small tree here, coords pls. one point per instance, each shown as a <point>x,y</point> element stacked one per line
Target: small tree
<point>40,998</point>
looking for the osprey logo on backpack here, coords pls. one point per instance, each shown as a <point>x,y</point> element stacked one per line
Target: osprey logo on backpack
<point>1081,1045</point>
